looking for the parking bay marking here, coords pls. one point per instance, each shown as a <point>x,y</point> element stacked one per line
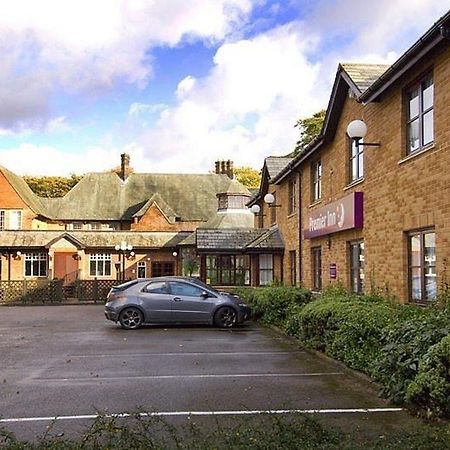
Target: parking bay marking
<point>206,413</point>
<point>121,355</point>
<point>169,377</point>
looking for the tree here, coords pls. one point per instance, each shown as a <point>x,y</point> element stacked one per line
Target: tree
<point>310,127</point>
<point>249,177</point>
<point>52,186</point>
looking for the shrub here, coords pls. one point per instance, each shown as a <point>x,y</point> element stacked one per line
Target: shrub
<point>430,389</point>
<point>405,343</point>
<point>273,305</point>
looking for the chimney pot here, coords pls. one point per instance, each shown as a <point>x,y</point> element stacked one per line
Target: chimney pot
<point>217,167</point>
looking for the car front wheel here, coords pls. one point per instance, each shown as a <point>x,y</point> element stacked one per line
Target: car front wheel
<point>225,317</point>
<point>131,318</point>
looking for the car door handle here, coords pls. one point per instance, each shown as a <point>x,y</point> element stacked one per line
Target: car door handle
<point>177,299</point>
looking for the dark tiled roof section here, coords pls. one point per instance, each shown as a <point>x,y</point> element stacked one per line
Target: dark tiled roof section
<point>364,75</point>
<point>271,239</point>
<point>230,219</point>
<point>24,192</point>
<point>226,239</point>
<point>275,164</point>
<point>236,188</point>
<point>92,239</point>
<point>238,239</point>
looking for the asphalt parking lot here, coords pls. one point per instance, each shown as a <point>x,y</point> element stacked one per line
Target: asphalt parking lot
<point>68,361</point>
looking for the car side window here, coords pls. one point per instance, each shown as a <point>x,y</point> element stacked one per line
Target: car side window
<point>185,289</point>
<point>156,287</point>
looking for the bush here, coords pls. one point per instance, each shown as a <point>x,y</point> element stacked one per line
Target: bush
<point>273,305</point>
<point>430,389</point>
<point>405,343</point>
<point>347,330</point>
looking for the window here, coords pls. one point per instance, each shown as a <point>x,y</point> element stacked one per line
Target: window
<point>15,220</point>
<point>228,270</point>
<point>422,265</point>
<point>316,254</point>
<point>163,269</point>
<point>316,181</point>
<point>273,209</point>
<point>2,220</point>
<point>293,267</point>
<point>95,226</point>
<point>77,226</point>
<point>356,159</point>
<point>156,287</point>
<point>357,267</point>
<point>292,188</point>
<point>265,269</point>
<point>35,264</point>
<point>141,269</point>
<point>420,126</point>
<point>185,289</point>
<point>100,265</point>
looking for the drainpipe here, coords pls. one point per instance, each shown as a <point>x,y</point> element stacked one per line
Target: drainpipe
<point>300,256</point>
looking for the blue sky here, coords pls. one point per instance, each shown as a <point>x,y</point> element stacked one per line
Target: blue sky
<point>180,83</point>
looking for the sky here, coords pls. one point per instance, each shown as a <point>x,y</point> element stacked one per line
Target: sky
<point>179,84</point>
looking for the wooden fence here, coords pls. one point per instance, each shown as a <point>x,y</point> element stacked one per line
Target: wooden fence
<point>54,291</point>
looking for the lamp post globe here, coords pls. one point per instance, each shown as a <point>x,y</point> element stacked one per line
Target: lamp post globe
<point>269,199</point>
<point>255,209</point>
<point>357,129</point>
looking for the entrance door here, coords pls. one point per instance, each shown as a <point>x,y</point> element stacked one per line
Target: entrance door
<point>163,269</point>
<point>65,267</point>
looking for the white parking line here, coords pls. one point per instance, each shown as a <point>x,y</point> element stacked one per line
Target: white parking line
<point>122,355</point>
<point>206,413</point>
<point>170,377</point>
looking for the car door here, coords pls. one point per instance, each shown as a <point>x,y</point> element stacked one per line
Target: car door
<point>189,305</point>
<point>156,301</point>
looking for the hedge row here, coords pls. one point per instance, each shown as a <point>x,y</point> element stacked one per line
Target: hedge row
<point>405,348</point>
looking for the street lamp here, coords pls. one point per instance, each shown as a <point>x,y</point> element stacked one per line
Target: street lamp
<point>357,130</point>
<point>256,210</point>
<point>123,248</point>
<point>270,199</point>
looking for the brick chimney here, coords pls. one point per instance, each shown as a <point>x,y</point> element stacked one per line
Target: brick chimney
<point>124,166</point>
<point>225,168</point>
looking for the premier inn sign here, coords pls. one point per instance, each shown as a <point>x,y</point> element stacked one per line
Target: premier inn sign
<point>343,214</point>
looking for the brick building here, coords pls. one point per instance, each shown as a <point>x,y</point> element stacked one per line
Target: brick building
<point>374,216</point>
<point>131,225</point>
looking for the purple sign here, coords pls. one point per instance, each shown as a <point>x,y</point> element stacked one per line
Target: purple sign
<point>333,271</point>
<point>343,214</point>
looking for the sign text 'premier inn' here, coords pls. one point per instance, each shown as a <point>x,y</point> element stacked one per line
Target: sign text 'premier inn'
<point>343,214</point>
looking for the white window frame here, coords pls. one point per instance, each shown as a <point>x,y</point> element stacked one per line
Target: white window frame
<point>33,257</point>
<point>2,219</point>
<point>140,265</point>
<point>18,225</point>
<point>266,269</point>
<point>100,260</point>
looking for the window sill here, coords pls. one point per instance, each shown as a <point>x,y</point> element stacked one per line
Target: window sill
<point>417,153</point>
<point>293,214</point>
<point>354,183</point>
<point>316,202</point>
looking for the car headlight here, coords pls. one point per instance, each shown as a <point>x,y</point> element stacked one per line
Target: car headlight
<point>243,304</point>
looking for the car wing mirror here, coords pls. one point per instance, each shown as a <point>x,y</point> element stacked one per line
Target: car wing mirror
<point>204,294</point>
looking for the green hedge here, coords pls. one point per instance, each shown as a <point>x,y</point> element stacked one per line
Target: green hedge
<point>405,348</point>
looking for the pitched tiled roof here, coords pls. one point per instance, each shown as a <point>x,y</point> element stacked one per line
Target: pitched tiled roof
<point>24,192</point>
<point>237,239</point>
<point>93,239</point>
<point>364,75</point>
<point>104,196</point>
<point>276,164</point>
<point>231,219</point>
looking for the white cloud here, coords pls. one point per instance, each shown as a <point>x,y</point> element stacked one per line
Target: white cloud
<point>137,109</point>
<point>85,45</point>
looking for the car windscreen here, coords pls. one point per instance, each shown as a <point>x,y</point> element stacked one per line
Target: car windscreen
<point>123,286</point>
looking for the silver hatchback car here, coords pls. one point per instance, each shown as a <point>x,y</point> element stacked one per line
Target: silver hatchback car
<point>173,300</point>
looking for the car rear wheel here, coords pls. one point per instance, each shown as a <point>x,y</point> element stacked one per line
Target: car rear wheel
<point>131,318</point>
<point>225,317</point>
